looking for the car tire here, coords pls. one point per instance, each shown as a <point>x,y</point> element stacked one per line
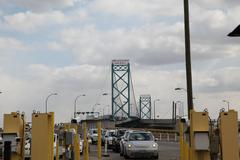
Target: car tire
<point>125,154</point>
<point>121,152</point>
<point>155,157</point>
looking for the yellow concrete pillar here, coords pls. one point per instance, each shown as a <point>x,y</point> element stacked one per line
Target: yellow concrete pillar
<point>186,151</point>
<point>15,123</point>
<point>57,150</point>
<point>181,139</point>
<point>229,135</point>
<point>86,156</point>
<point>42,136</point>
<point>76,147</point>
<point>199,136</point>
<point>99,126</point>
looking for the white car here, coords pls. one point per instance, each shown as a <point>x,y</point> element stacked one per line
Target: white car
<point>81,146</point>
<point>27,151</point>
<point>93,133</point>
<point>109,137</point>
<point>140,144</point>
<point>1,146</point>
<point>122,142</point>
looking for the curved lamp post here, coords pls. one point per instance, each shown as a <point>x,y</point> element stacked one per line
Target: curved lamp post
<point>75,103</point>
<point>46,106</point>
<point>235,32</point>
<point>97,104</point>
<point>179,88</point>
<point>154,107</point>
<point>183,89</point>
<point>227,103</point>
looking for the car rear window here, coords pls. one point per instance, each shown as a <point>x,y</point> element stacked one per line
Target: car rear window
<point>94,131</point>
<point>140,137</point>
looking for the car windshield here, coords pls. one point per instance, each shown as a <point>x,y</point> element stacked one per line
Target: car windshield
<point>140,137</point>
<point>111,134</point>
<point>121,132</point>
<point>94,131</point>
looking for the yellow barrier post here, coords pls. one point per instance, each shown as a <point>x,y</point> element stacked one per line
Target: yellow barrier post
<point>86,156</point>
<point>42,136</point>
<point>99,140</point>
<point>57,149</point>
<point>76,147</point>
<point>199,134</point>
<point>14,127</point>
<point>181,139</point>
<point>229,135</point>
<point>186,151</point>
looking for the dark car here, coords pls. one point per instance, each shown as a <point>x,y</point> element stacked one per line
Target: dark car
<point>117,138</point>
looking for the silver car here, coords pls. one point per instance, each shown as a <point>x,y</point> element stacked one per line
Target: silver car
<point>122,142</point>
<point>140,144</point>
<point>93,135</point>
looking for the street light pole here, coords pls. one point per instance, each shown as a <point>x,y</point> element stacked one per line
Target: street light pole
<point>180,108</point>
<point>105,94</point>
<point>52,94</point>
<point>93,108</point>
<point>228,103</point>
<point>75,104</point>
<point>154,105</point>
<point>188,57</point>
<point>183,89</point>
<point>179,88</point>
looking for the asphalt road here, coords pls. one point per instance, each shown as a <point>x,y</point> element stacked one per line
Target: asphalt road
<point>167,151</point>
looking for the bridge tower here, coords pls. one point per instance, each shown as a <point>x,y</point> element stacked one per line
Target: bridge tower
<point>145,106</point>
<point>121,88</point>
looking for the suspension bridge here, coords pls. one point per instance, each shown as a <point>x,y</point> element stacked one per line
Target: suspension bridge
<point>124,104</point>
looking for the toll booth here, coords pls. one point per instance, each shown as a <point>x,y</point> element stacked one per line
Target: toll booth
<point>228,127</point>
<point>13,136</point>
<point>42,136</point>
<point>199,136</point>
<point>71,141</point>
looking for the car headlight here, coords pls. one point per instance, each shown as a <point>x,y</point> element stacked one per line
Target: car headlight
<point>154,145</point>
<point>129,146</point>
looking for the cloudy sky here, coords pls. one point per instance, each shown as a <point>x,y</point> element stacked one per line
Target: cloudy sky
<point>66,46</point>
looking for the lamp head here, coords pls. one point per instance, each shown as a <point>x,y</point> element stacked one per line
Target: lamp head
<point>235,32</point>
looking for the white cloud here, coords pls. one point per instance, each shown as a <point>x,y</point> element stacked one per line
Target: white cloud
<point>141,8</point>
<point>42,5</point>
<point>10,44</point>
<point>221,80</point>
<point>29,93</point>
<point>30,22</point>
<point>68,82</point>
<point>99,47</point>
<point>154,42</point>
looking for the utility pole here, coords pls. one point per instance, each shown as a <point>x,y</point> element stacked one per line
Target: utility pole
<point>188,57</point>
<point>75,104</point>
<point>154,109</point>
